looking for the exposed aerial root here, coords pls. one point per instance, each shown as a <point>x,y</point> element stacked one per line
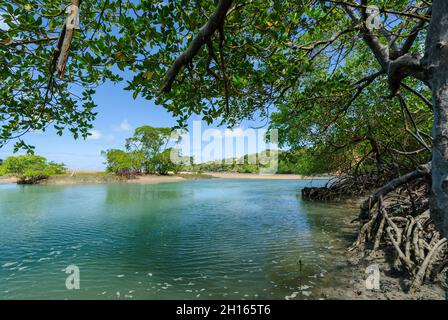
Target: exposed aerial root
<point>344,187</point>
<point>394,219</point>
<point>397,217</point>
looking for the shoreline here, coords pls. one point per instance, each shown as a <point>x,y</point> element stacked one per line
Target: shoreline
<point>255,176</point>
<point>108,179</point>
<point>6,180</point>
<point>98,177</point>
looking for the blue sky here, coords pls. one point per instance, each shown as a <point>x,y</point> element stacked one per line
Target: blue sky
<point>118,115</point>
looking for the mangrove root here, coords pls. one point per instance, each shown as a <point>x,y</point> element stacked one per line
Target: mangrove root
<point>395,218</point>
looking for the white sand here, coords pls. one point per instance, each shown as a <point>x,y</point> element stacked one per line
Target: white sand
<point>255,176</point>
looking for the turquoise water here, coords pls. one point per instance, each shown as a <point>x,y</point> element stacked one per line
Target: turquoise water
<point>203,239</point>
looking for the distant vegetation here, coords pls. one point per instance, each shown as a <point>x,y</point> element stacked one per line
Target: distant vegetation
<point>297,162</point>
<point>30,169</point>
<point>145,152</point>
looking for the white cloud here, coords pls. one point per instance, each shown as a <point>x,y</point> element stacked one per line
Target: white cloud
<point>123,126</point>
<point>95,135</point>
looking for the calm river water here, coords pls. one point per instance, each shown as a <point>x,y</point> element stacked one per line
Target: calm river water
<point>203,239</point>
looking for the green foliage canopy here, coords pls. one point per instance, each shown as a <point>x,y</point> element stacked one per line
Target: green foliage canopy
<point>149,141</point>
<point>30,168</point>
<point>32,96</point>
<point>162,162</point>
<point>123,163</point>
<point>146,152</point>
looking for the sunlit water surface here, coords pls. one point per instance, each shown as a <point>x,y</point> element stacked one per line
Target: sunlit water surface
<point>203,239</point>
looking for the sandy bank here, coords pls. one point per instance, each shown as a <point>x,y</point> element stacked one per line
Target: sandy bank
<point>97,177</point>
<point>153,179</point>
<point>4,180</point>
<point>101,178</point>
<point>104,178</point>
<point>254,176</point>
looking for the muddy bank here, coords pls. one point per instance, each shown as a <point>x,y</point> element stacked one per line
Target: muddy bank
<point>392,283</point>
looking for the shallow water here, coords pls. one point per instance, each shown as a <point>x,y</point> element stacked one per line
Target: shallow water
<point>203,239</point>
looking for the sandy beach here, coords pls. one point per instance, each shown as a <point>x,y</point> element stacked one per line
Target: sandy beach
<point>4,180</point>
<point>254,176</point>
<point>153,179</point>
<point>95,177</point>
<point>102,178</point>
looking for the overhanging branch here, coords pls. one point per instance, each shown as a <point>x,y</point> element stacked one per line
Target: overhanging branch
<point>205,33</point>
<point>421,171</point>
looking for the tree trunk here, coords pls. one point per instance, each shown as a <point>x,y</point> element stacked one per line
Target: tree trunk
<point>437,62</point>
